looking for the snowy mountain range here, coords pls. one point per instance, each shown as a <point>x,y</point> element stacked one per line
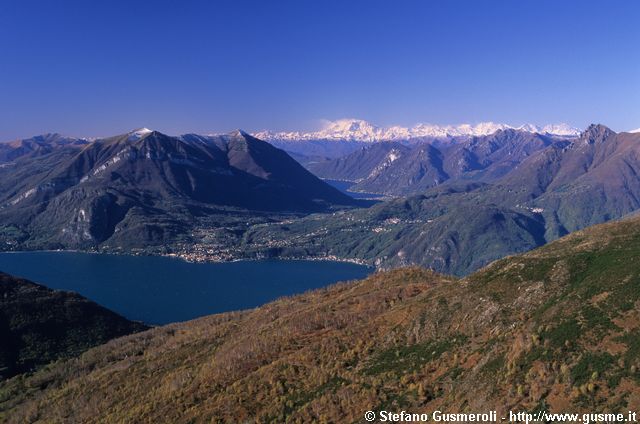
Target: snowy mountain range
<point>360,130</point>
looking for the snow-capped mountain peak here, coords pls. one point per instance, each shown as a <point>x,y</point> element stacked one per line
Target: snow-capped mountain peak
<point>139,133</point>
<point>559,129</point>
<point>352,128</point>
<point>360,130</point>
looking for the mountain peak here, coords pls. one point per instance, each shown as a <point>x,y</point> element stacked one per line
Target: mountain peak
<point>239,133</point>
<point>597,130</point>
<point>595,134</point>
<point>364,131</point>
<point>139,134</point>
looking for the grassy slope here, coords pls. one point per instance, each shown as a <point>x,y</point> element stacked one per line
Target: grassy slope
<point>556,328</point>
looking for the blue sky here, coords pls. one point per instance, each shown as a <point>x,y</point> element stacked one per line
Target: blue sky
<point>92,68</point>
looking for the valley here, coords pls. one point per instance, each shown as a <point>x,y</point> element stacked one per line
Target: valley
<point>331,212</point>
<point>554,329</point>
<point>452,206</point>
<point>531,191</point>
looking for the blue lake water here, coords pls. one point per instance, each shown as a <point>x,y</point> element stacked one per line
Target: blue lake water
<point>159,290</point>
<point>344,187</point>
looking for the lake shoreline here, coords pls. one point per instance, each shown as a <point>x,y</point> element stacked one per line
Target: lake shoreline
<point>185,257</point>
<point>162,289</point>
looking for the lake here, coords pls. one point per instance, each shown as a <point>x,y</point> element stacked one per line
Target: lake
<point>344,187</point>
<point>159,290</point>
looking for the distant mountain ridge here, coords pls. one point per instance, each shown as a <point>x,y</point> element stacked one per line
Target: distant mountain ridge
<point>363,131</point>
<point>394,168</point>
<point>37,146</point>
<point>555,187</point>
<point>233,196</point>
<point>147,187</point>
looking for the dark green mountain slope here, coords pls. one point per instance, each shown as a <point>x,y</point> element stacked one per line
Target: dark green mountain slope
<point>591,180</point>
<point>454,230</point>
<point>39,325</point>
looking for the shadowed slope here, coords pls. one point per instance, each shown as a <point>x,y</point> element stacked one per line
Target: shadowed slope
<point>39,325</point>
